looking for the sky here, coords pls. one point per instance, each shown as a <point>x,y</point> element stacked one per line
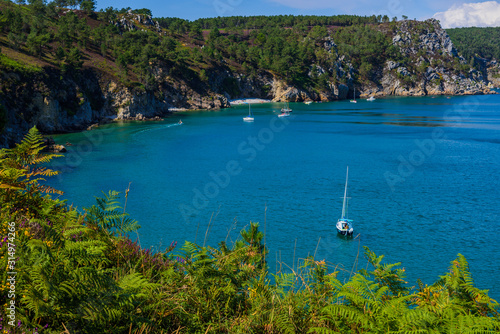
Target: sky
<point>451,13</point>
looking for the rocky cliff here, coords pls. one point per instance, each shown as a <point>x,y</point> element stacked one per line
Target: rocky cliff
<point>435,69</point>
<point>66,102</point>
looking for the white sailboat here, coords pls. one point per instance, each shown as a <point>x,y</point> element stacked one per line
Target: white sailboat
<point>354,100</point>
<point>285,111</point>
<point>248,118</point>
<point>344,225</point>
<point>286,108</point>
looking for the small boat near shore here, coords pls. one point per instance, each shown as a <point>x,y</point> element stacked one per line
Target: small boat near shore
<point>371,98</point>
<point>354,97</point>
<point>286,108</point>
<point>248,118</point>
<point>285,111</point>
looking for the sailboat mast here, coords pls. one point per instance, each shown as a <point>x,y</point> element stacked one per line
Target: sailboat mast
<point>345,193</point>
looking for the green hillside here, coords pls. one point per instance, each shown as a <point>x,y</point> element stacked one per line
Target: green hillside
<point>47,35</point>
<point>482,42</point>
<point>126,45</point>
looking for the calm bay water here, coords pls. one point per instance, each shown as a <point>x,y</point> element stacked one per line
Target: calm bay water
<point>423,180</point>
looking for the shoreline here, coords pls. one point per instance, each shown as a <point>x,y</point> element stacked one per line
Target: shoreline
<point>236,102</point>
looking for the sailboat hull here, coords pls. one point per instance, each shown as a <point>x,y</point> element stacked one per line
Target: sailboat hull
<point>345,233</point>
<point>344,227</point>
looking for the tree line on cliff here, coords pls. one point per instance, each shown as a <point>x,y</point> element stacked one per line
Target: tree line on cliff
<point>475,41</point>
<point>81,272</point>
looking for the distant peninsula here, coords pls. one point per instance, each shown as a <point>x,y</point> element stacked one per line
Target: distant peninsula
<point>65,69</point>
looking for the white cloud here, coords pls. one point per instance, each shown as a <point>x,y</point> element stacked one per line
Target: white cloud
<point>479,14</point>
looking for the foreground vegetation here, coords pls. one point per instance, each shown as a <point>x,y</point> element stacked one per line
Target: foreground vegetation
<point>81,273</point>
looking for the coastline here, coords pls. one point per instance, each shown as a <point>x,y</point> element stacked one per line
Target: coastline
<point>236,102</point>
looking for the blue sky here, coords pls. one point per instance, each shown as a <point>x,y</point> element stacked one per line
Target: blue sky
<point>466,13</point>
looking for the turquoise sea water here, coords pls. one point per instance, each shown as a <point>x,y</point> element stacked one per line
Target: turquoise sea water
<point>423,180</point>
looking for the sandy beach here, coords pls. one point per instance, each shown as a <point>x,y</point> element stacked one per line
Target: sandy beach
<point>250,100</point>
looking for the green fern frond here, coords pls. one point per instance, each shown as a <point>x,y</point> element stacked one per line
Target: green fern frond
<point>107,215</point>
<point>19,166</point>
<point>351,314</point>
<point>75,230</point>
<point>322,330</point>
<point>46,158</point>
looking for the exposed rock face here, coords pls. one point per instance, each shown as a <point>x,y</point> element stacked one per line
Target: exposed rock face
<point>431,72</point>
<point>432,39</point>
<point>130,22</point>
<point>282,92</point>
<point>52,102</point>
<point>57,148</point>
<point>52,147</point>
<point>129,104</point>
<point>330,45</point>
<point>493,73</point>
